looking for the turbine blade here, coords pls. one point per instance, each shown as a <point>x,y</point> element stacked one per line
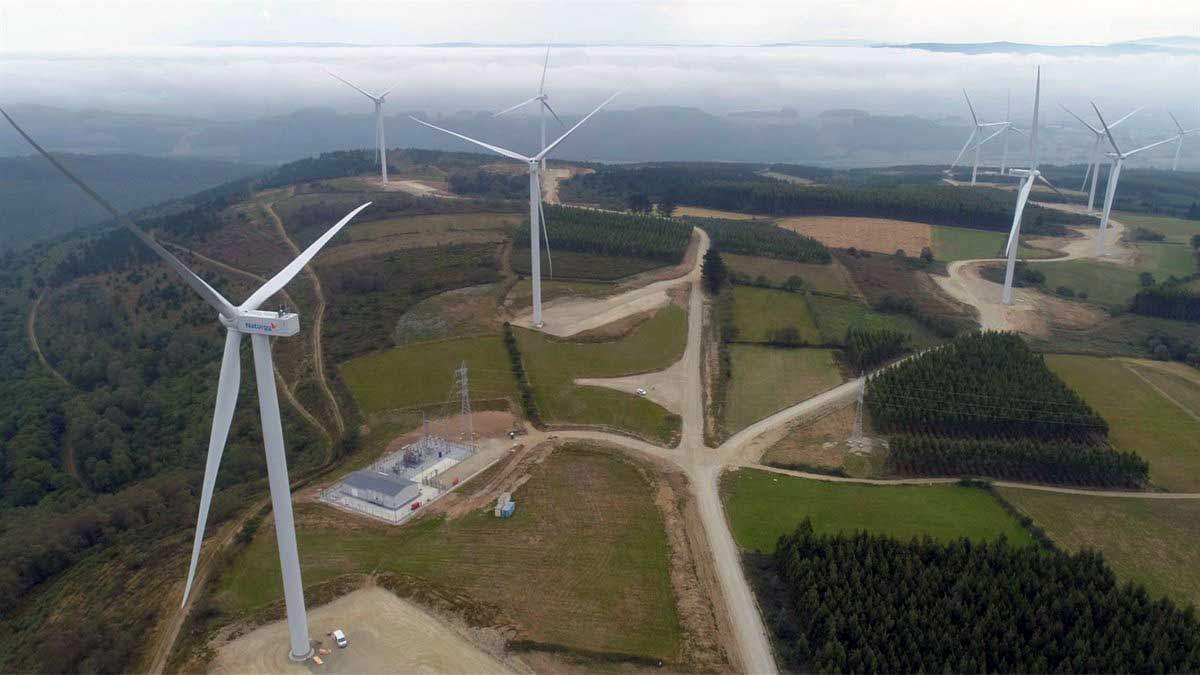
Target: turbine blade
<point>1050,185</point>
<point>560,122</point>
<point>545,67</point>
<point>1033,132</point>
<point>973,116</point>
<point>1012,233</point>
<point>1130,114</point>
<point>277,282</point>
<point>384,94</point>
<point>545,234</point>
<point>990,137</point>
<point>1177,124</point>
<point>1152,145</point>
<point>1093,129</point>
<point>227,393</point>
<point>207,292</point>
<point>966,145</point>
<point>493,148</point>
<point>545,151</point>
<point>352,86</point>
<point>519,105</point>
<point>1107,130</point>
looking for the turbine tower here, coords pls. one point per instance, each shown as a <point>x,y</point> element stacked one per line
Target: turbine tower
<point>1029,176</point>
<point>1093,166</point>
<point>543,105</point>
<point>1111,189</point>
<point>1182,133</point>
<point>244,319</point>
<point>535,197</point>
<point>379,140</point>
<point>976,132</point>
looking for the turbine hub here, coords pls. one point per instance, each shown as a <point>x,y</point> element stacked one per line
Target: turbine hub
<point>278,324</point>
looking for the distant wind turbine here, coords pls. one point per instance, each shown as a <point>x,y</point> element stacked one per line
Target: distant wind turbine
<point>543,104</point>
<point>535,197</point>
<point>1182,133</point>
<point>379,140</point>
<point>243,319</point>
<point>976,133</point>
<point>1095,156</point>
<point>1111,190</point>
<point>1029,176</point>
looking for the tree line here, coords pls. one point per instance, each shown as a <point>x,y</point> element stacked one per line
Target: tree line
<point>612,234</point>
<point>1168,301</point>
<point>762,239</point>
<point>1021,459</point>
<point>870,603</point>
<point>866,349</point>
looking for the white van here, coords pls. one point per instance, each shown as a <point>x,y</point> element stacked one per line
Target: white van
<point>340,638</point>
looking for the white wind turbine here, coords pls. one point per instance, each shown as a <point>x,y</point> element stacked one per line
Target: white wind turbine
<point>1094,156</point>
<point>1111,189</point>
<point>535,197</point>
<point>542,99</point>
<point>260,325</point>
<point>1182,133</point>
<point>976,132</point>
<point>379,140</point>
<point>1029,176</point>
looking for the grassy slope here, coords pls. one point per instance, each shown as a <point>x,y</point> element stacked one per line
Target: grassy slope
<point>767,379</point>
<point>1140,419</point>
<point>574,265</point>
<point>835,315</point>
<point>832,278</point>
<point>758,312</point>
<point>960,243</point>
<point>761,506</point>
<point>1176,229</point>
<point>553,365</point>
<point>422,373</point>
<point>582,563</point>
<point>1148,541</point>
<point>1111,284</point>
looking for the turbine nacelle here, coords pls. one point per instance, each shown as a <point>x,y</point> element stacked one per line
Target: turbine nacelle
<point>259,322</point>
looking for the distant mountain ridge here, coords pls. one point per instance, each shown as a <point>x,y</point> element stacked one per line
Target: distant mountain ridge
<point>1175,45</point>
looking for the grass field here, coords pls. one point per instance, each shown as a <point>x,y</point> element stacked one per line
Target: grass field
<point>570,265</point>
<point>759,312</point>
<point>1124,335</point>
<point>1178,230</point>
<point>1113,284</point>
<point>583,562</point>
<point>553,365</point>
<point>1148,541</point>
<point>422,374</point>
<point>521,294</point>
<point>962,243</point>
<point>831,278</point>
<point>834,316</point>
<point>762,506</point>
<point>768,379</point>
<point>1140,419</point>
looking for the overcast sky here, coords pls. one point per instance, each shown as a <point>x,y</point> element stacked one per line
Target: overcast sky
<point>40,24</point>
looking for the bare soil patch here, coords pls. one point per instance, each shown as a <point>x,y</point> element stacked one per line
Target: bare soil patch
<point>701,212</point>
<point>872,234</point>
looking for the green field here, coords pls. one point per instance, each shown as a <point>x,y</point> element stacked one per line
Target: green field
<point>762,506</point>
<point>422,374</point>
<point>831,278</point>
<point>1113,284</point>
<point>1121,335</point>
<point>583,562</point>
<point>768,379</point>
<point>759,312</point>
<point>553,365</point>
<point>1178,230</point>
<point>1140,419</point>
<point>570,265</point>
<point>1148,541</point>
<point>429,224</point>
<point>834,316</point>
<point>962,243</point>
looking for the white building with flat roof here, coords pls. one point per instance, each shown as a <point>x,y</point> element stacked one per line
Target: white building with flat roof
<point>382,489</point>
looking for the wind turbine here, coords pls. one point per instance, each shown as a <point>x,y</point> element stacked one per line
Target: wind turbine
<point>244,319</point>
<point>975,133</point>
<point>1029,176</point>
<point>1093,166</point>
<point>379,140</point>
<point>535,197</point>
<point>543,104</point>
<point>1111,189</point>
<point>1182,133</point>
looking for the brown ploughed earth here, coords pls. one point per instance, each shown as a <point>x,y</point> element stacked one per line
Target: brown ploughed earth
<point>873,234</point>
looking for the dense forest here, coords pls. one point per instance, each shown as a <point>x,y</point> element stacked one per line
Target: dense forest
<point>483,183</point>
<point>762,239</point>
<point>1167,301</point>
<point>866,349</point>
<point>985,404</point>
<point>737,188</point>
<point>612,234</point>
<point>869,603</point>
